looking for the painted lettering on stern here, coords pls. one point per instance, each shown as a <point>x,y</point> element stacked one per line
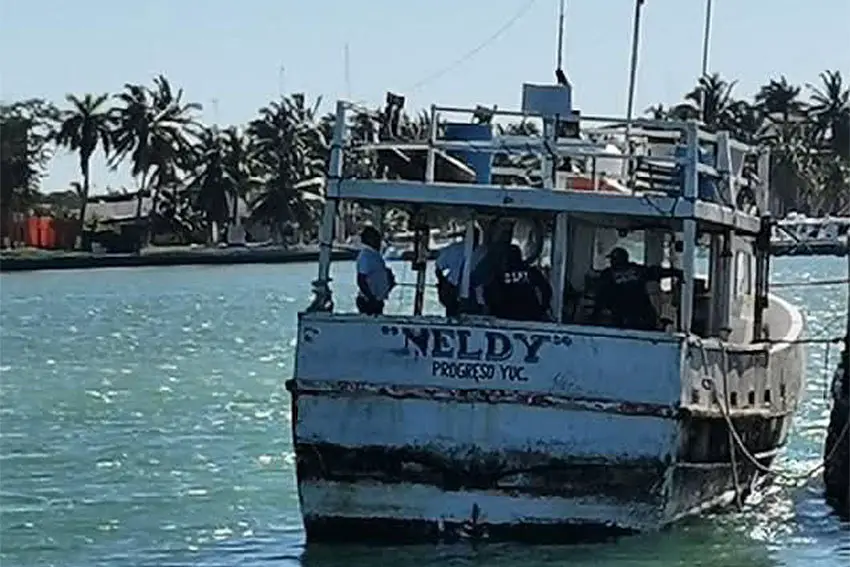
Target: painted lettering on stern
<point>476,355</point>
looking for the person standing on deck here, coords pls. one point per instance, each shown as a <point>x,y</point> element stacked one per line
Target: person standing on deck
<point>622,291</point>
<point>514,292</point>
<point>374,278</point>
<point>487,263</point>
<point>449,268</point>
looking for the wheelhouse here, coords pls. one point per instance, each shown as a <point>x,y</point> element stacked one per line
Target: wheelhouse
<point>672,193</point>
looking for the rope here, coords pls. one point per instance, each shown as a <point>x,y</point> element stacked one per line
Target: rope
<point>710,385</point>
<point>811,283</point>
<point>475,50</point>
<point>812,341</point>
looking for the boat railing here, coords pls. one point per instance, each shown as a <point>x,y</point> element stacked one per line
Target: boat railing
<point>643,155</point>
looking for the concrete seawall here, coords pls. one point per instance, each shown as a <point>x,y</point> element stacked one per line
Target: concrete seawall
<point>14,261</point>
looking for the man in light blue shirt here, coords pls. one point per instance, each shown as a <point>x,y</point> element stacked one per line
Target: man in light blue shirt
<point>374,278</point>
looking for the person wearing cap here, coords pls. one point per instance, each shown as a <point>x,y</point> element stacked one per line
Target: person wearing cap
<point>374,278</point>
<point>622,291</point>
<point>449,267</point>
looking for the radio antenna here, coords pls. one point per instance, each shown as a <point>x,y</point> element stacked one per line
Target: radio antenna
<point>347,73</point>
<point>559,69</point>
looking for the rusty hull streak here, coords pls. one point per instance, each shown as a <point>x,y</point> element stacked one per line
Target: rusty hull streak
<point>510,473</point>
<point>356,389</point>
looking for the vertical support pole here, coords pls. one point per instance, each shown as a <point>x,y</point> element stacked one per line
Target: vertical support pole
<point>560,255</point>
<point>468,250</point>
<point>322,299</point>
<point>549,134</point>
<point>689,235</point>
<point>723,164</point>
<point>653,255</point>
<point>727,283</point>
<point>763,191</point>
<point>420,260</point>
<point>714,283</point>
<point>762,277</point>
<point>847,334</point>
<point>689,227</point>
<point>431,158</point>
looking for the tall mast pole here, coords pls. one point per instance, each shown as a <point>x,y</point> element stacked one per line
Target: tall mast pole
<point>560,59</point>
<point>630,106</point>
<point>706,36</point>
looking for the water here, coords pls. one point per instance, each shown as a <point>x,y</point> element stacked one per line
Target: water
<point>144,422</point>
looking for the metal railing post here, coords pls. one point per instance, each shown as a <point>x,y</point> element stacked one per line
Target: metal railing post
<point>321,287</point>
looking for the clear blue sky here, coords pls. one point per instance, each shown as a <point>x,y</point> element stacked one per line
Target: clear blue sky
<point>232,51</point>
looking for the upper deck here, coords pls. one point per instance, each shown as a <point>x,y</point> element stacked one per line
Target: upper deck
<point>584,165</point>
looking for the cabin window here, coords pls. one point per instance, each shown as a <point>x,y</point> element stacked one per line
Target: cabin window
<point>609,238</point>
<point>743,274</point>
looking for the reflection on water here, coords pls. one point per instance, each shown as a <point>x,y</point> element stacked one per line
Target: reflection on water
<point>144,422</point>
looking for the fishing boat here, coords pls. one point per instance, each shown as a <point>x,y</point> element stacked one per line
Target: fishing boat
<point>412,426</point>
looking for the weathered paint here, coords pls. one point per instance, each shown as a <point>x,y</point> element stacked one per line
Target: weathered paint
<point>512,472</point>
<point>347,389</point>
<point>417,502</point>
<point>418,428</point>
<point>546,358</point>
<point>483,427</point>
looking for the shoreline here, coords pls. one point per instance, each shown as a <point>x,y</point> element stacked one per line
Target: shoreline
<point>28,260</point>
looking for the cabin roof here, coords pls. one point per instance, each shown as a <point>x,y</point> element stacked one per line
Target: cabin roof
<point>639,205</point>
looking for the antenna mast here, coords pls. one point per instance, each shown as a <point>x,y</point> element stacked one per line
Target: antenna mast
<point>561,37</point>
<point>347,73</point>
<point>633,70</point>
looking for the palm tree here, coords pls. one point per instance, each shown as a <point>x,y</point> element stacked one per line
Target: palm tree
<point>26,128</point>
<point>154,128</point>
<point>223,175</point>
<point>830,110</point>
<point>290,153</point>
<point>240,166</point>
<point>208,185</point>
<point>87,124</point>
<point>712,99</point>
<point>778,97</point>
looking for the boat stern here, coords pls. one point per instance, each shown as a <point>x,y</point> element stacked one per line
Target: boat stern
<point>409,429</point>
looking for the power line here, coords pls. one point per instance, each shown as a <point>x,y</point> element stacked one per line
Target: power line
<point>474,51</point>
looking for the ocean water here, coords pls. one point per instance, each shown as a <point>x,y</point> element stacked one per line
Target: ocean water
<point>143,421</point>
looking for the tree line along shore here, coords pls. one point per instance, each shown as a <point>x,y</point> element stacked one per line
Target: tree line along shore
<point>195,181</point>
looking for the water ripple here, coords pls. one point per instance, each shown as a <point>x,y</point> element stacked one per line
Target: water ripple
<point>144,422</point>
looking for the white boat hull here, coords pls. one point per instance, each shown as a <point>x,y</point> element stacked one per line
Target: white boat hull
<point>549,434</point>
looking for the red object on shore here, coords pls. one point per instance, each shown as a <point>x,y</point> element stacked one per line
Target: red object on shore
<point>41,232</point>
<point>32,235</point>
<point>46,236</point>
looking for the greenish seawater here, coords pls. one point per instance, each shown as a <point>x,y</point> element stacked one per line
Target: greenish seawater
<point>144,422</point>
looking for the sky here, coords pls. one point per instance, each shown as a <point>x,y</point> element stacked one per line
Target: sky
<point>235,56</point>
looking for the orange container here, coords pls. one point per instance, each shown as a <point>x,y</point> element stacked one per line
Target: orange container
<point>32,236</point>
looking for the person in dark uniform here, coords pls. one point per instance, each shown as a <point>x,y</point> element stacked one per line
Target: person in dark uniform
<point>622,291</point>
<point>513,292</point>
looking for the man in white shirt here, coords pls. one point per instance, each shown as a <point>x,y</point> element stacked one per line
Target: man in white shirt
<point>374,278</point>
<point>449,267</point>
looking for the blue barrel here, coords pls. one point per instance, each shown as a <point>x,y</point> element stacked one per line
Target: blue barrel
<point>481,162</point>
